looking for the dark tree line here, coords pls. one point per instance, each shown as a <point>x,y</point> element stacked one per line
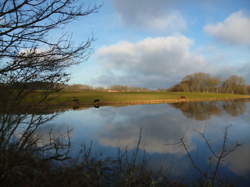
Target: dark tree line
<point>123,88</point>
<point>114,88</point>
<point>204,82</point>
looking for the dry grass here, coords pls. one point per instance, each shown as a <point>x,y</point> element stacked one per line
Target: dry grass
<point>116,98</point>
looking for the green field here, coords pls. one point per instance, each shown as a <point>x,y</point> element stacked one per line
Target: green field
<point>119,98</point>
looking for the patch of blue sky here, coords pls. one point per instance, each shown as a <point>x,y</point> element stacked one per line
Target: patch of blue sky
<point>107,28</point>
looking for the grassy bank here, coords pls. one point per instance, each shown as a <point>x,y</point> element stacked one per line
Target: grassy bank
<point>66,98</point>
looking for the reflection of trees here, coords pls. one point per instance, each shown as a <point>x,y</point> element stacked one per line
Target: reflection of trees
<point>213,176</point>
<point>161,133</point>
<point>17,130</point>
<point>23,133</point>
<point>205,110</point>
<point>32,65</point>
<point>234,108</point>
<point>199,110</point>
<point>23,147</point>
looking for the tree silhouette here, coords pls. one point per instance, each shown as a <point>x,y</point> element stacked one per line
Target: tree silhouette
<point>29,59</point>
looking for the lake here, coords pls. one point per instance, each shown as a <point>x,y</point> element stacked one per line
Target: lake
<point>178,138</point>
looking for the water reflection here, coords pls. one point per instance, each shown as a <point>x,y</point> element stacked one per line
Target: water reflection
<point>205,110</point>
<point>159,128</point>
<point>234,108</point>
<point>30,133</point>
<point>239,161</point>
<point>199,111</point>
<point>162,126</point>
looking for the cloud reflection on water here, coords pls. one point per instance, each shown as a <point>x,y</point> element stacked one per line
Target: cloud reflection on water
<point>161,124</point>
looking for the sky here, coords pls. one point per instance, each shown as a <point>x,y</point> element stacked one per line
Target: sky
<point>155,43</point>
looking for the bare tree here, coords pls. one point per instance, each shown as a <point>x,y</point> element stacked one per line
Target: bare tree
<point>29,57</point>
<point>203,82</point>
<point>235,84</point>
<point>26,53</point>
<point>198,82</point>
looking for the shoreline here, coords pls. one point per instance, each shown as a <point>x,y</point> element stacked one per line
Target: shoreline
<point>69,105</point>
<point>163,101</point>
<point>61,103</point>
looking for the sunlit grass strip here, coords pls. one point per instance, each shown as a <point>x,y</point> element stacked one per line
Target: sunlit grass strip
<point>113,98</point>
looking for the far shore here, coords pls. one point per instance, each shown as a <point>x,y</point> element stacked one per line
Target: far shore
<point>62,101</point>
<point>141,102</point>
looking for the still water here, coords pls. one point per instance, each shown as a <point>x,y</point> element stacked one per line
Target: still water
<point>162,126</point>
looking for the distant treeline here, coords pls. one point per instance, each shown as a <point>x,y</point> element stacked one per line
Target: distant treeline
<point>38,85</point>
<point>114,88</point>
<point>34,85</point>
<point>197,82</point>
<point>204,82</point>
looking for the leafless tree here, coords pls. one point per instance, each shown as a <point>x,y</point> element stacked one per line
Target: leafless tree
<point>27,54</point>
<point>203,82</point>
<point>29,57</point>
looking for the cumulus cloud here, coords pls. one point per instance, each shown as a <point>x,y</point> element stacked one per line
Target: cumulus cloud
<point>159,15</point>
<point>234,30</point>
<point>152,62</point>
<point>160,62</point>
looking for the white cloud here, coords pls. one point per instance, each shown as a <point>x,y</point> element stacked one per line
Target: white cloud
<point>161,62</point>
<point>160,15</point>
<point>152,62</point>
<point>234,30</point>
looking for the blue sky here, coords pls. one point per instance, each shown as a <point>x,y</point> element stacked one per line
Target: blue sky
<point>154,43</point>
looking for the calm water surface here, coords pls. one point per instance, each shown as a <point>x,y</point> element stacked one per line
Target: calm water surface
<point>162,126</point>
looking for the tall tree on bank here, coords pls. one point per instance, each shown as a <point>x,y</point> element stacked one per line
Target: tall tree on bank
<point>203,82</point>
<point>27,54</point>
<point>234,84</point>
<point>198,82</point>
